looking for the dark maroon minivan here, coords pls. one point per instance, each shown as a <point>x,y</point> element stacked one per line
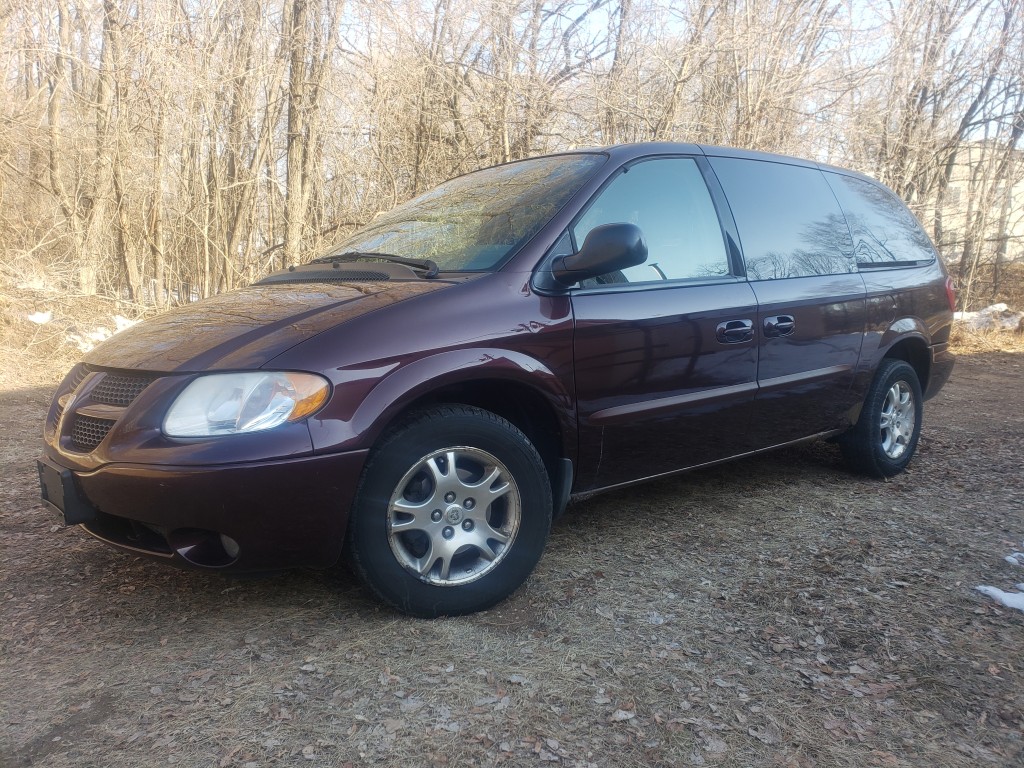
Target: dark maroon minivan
<point>425,397</point>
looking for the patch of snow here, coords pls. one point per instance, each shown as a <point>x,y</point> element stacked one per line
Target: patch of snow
<point>86,341</point>
<point>41,318</point>
<point>123,322</point>
<point>996,317</point>
<point>1009,599</point>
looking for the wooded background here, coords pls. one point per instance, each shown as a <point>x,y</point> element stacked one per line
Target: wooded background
<point>147,145</point>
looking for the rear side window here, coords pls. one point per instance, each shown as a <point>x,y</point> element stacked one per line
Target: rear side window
<point>789,221</point>
<point>668,199</point>
<point>885,233</point>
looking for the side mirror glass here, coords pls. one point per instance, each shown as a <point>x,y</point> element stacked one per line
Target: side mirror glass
<point>608,248</point>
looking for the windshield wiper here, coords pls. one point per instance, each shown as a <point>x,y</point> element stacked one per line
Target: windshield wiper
<point>424,264</point>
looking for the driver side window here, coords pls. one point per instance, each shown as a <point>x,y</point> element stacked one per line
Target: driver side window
<point>668,199</point>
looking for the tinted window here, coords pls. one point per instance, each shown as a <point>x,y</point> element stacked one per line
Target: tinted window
<point>884,231</point>
<point>669,201</point>
<point>789,221</point>
<point>474,222</point>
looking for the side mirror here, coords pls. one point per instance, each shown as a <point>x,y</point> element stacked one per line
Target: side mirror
<point>608,248</point>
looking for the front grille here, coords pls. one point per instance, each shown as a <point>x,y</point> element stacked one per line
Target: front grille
<point>57,413</point>
<point>75,378</point>
<point>119,389</point>
<point>88,432</point>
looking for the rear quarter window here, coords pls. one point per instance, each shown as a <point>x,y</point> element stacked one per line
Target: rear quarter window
<point>885,232</point>
<point>789,222</point>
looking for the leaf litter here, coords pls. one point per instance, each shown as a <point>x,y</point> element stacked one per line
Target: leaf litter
<point>777,611</point>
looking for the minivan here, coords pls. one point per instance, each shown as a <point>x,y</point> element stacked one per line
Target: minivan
<point>423,400</point>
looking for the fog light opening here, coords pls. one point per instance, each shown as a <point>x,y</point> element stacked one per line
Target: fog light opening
<point>230,546</point>
<point>208,549</point>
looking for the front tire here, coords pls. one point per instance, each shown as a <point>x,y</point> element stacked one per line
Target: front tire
<point>884,439</point>
<point>452,514</point>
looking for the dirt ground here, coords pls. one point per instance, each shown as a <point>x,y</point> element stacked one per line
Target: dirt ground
<point>778,611</point>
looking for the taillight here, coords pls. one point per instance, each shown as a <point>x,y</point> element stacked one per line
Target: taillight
<point>950,294</point>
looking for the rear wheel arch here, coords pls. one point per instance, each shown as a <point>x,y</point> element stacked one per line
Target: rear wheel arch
<point>912,350</point>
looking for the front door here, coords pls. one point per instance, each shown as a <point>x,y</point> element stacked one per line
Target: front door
<point>665,352</point>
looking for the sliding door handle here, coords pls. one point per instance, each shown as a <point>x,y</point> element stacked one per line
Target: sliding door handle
<point>779,325</point>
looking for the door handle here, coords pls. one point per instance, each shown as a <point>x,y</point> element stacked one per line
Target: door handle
<point>779,325</point>
<point>735,331</point>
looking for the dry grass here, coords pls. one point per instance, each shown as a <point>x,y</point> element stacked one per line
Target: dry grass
<point>967,341</point>
<point>772,612</point>
<point>40,354</point>
<point>1011,287</point>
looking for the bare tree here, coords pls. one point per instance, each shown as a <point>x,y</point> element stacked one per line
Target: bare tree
<point>157,150</point>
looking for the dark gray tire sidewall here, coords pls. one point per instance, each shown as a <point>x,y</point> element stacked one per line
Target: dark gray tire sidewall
<point>445,427</point>
<point>891,372</point>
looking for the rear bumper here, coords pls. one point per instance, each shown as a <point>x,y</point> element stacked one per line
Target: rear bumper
<point>940,369</point>
<point>278,514</point>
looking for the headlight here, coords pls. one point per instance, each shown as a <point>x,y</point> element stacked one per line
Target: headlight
<point>233,403</point>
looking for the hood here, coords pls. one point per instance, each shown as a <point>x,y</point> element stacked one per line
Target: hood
<point>246,328</point>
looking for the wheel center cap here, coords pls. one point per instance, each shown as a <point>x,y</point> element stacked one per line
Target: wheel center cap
<point>453,514</point>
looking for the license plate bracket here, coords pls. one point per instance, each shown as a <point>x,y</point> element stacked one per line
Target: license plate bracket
<point>60,494</point>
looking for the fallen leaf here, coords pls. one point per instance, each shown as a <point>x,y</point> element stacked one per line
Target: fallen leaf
<point>771,734</point>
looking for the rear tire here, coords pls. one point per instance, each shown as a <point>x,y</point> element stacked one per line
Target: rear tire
<point>884,439</point>
<point>452,513</point>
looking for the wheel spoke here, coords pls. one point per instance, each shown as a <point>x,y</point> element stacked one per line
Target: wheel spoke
<point>485,491</point>
<point>446,562</point>
<point>434,466</point>
<point>409,516</point>
<point>496,535</point>
<point>483,547</point>
<point>426,563</point>
<point>401,526</point>
<point>893,397</point>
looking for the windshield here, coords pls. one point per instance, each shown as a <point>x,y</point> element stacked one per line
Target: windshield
<point>474,222</point>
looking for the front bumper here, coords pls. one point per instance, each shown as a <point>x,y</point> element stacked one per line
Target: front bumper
<point>276,514</point>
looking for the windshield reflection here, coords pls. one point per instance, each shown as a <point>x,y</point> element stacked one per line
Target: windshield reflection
<point>475,222</point>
